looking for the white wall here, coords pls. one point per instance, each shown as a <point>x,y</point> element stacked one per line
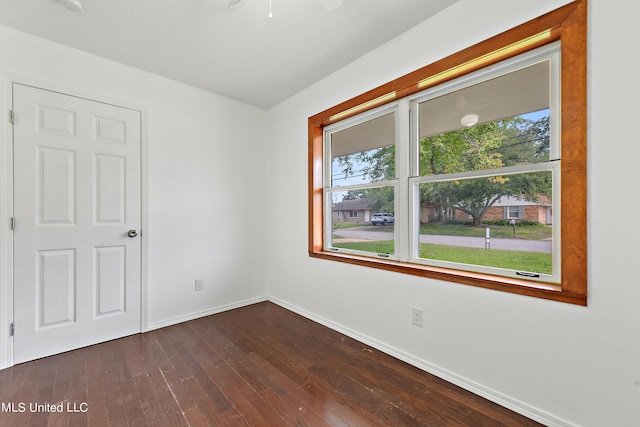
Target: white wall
<point>550,360</point>
<point>205,176</point>
<point>559,363</point>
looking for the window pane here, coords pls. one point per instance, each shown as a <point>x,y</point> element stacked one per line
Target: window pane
<point>364,153</point>
<point>500,122</point>
<point>514,212</point>
<point>363,220</point>
<point>455,216</point>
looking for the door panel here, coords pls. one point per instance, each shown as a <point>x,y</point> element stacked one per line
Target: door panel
<point>56,288</point>
<point>110,280</point>
<point>55,120</point>
<point>77,193</point>
<point>55,186</point>
<point>110,172</point>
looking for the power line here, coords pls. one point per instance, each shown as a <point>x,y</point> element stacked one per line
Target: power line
<point>514,144</point>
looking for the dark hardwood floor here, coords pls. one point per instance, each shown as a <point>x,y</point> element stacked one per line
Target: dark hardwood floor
<point>258,366</point>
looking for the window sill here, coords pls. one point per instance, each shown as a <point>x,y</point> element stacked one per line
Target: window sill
<point>517,286</point>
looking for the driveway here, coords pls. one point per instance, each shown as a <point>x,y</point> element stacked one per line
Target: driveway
<point>370,233</point>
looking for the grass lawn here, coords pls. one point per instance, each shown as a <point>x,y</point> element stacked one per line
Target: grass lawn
<point>338,225</point>
<point>529,232</point>
<point>377,246</point>
<point>511,260</point>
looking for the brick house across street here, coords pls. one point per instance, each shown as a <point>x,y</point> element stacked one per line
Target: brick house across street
<point>356,210</point>
<point>507,207</point>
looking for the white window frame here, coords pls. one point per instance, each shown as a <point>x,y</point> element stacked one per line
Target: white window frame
<point>407,181</point>
<point>551,53</point>
<point>401,170</point>
<point>552,166</point>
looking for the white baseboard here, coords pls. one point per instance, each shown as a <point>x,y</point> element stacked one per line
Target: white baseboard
<point>203,313</point>
<point>467,384</point>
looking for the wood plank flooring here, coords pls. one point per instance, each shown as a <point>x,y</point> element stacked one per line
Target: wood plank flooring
<point>260,365</point>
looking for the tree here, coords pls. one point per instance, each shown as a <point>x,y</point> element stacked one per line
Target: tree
<point>487,146</point>
<point>463,150</point>
<point>355,194</point>
<point>491,145</point>
<point>373,165</point>
<point>382,199</point>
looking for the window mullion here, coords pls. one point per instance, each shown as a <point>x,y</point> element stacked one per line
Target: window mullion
<point>554,99</point>
<point>403,172</point>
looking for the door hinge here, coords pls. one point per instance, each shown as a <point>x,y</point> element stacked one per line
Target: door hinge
<point>11,117</point>
<point>13,223</point>
<point>12,329</point>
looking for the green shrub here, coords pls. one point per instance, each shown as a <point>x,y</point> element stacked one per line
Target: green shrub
<point>503,222</point>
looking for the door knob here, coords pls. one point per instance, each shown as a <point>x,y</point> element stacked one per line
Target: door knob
<point>132,233</point>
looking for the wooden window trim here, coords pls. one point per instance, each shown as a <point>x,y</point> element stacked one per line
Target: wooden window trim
<point>568,24</point>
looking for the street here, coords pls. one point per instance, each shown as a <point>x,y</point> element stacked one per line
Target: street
<point>371,233</point>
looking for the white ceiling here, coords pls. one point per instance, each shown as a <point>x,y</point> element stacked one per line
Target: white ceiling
<point>241,53</point>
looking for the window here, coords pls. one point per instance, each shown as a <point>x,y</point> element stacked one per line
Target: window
<point>360,171</point>
<point>516,212</point>
<point>494,132</point>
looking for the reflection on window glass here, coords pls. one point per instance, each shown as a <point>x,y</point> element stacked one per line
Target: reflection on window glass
<point>364,153</point>
<point>504,121</point>
<point>457,217</point>
<point>506,142</point>
<point>363,220</point>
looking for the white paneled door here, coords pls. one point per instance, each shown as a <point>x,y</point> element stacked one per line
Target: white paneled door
<point>77,209</point>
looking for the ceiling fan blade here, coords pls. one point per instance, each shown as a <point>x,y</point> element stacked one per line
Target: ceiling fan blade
<point>330,4</point>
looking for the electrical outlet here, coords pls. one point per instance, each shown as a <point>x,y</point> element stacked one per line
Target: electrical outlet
<point>199,284</point>
<point>416,316</point>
